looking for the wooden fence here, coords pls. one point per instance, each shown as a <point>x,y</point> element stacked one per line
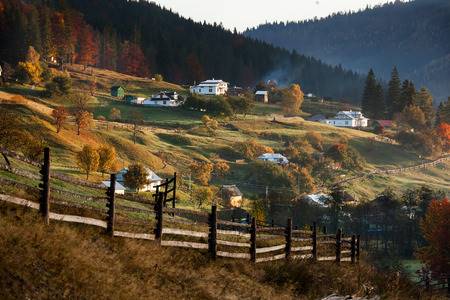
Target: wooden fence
<point>140,218</point>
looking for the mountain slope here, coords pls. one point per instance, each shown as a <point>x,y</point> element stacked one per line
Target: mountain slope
<point>137,36</point>
<point>415,36</point>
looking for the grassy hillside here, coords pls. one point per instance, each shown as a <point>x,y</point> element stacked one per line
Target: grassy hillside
<point>70,261</point>
<point>173,138</point>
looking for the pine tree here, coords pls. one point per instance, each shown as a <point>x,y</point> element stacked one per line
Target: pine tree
<point>46,34</point>
<point>33,30</point>
<point>373,100</point>
<point>369,92</point>
<point>393,101</point>
<point>424,100</point>
<point>408,92</point>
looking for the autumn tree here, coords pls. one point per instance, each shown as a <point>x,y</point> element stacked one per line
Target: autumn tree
<point>159,77</point>
<point>83,120</point>
<point>136,177</point>
<point>132,60</point>
<point>88,47</point>
<point>32,66</point>
<point>210,124</point>
<point>292,100</point>
<point>137,119</point>
<point>436,231</point>
<point>88,160</point>
<point>412,117</point>
<point>424,100</point>
<point>107,158</point>
<point>315,139</point>
<point>115,114</point>
<point>221,168</point>
<point>251,149</point>
<point>443,131</point>
<point>203,195</point>
<point>202,171</point>
<point>60,115</point>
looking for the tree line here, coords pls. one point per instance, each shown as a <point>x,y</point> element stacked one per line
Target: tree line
<point>141,38</point>
<point>420,126</point>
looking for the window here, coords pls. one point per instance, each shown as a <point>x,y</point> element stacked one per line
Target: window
<point>346,122</point>
<point>164,102</point>
<point>210,90</point>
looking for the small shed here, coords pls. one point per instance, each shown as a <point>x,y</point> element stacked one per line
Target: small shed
<point>262,96</point>
<point>231,196</point>
<point>117,91</point>
<point>120,189</point>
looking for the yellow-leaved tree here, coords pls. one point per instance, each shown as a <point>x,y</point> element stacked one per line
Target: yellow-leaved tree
<point>88,159</point>
<point>32,66</point>
<point>292,99</point>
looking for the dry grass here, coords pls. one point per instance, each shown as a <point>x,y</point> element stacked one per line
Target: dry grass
<point>69,261</point>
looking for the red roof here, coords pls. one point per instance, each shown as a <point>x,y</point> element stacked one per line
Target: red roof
<point>385,123</point>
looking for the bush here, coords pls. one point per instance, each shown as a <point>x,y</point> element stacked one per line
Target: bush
<point>216,106</point>
<point>315,139</point>
<point>348,157</point>
<point>251,149</point>
<point>425,143</point>
<point>159,77</point>
<point>175,139</point>
<point>60,85</point>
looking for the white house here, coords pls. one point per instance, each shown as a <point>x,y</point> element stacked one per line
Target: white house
<point>120,189</point>
<point>347,119</point>
<point>167,99</point>
<point>153,179</point>
<point>262,96</point>
<point>274,158</point>
<point>210,87</point>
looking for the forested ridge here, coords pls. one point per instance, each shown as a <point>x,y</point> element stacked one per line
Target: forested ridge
<point>414,36</point>
<point>141,38</point>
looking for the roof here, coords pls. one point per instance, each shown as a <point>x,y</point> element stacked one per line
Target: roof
<point>261,93</point>
<point>349,114</point>
<point>212,81</point>
<point>232,189</point>
<point>271,156</point>
<point>317,118</point>
<point>151,175</point>
<point>107,183</point>
<point>385,123</point>
<point>115,87</point>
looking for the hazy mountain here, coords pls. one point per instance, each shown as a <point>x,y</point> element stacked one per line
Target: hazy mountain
<point>415,36</point>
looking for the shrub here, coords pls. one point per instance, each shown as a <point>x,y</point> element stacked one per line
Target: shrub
<point>342,153</point>
<point>58,86</point>
<point>251,149</point>
<point>136,177</point>
<point>159,77</point>
<point>175,139</point>
<point>315,139</point>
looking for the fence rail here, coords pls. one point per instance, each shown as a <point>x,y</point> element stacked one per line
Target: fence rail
<point>173,227</point>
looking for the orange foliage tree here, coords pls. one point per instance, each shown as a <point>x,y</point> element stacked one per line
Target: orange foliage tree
<point>443,131</point>
<point>436,230</point>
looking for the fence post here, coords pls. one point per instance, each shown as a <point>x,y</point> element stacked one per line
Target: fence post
<point>212,241</point>
<point>174,188</point>
<point>353,249</point>
<point>253,241</point>
<point>44,200</point>
<point>338,245</point>
<point>314,242</point>
<point>288,233</point>
<point>111,206</point>
<point>357,247</point>
<point>159,215</point>
<point>448,285</point>
<point>324,230</point>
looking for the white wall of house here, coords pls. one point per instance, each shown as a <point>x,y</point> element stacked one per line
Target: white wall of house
<point>210,87</point>
<point>162,102</point>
